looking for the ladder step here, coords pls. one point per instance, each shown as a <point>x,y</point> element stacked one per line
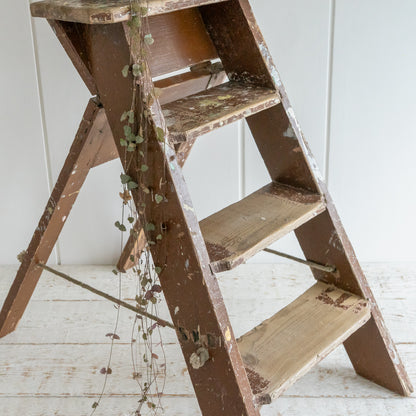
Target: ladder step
<point>286,346</point>
<point>239,231</point>
<point>201,113</point>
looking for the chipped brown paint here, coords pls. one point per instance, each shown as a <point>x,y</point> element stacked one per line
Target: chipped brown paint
<point>370,348</point>
<point>338,302</point>
<point>105,11</point>
<point>80,160</point>
<point>182,256</point>
<point>257,382</point>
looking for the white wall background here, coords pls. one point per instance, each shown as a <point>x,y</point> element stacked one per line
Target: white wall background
<point>349,68</point>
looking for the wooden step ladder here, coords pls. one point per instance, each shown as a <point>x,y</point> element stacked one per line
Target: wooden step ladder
<point>231,77</point>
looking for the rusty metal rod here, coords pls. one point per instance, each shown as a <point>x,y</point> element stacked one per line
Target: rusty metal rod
<point>313,264</point>
<point>119,302</point>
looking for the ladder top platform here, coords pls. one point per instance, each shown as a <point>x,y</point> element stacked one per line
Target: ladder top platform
<point>105,11</point>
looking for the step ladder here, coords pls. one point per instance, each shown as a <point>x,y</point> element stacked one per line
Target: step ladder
<point>231,77</point>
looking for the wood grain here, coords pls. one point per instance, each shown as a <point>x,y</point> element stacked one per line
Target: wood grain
<point>203,112</point>
<point>80,160</point>
<point>188,406</point>
<point>105,11</point>
<point>80,323</point>
<point>180,41</point>
<point>283,348</point>
<point>240,230</point>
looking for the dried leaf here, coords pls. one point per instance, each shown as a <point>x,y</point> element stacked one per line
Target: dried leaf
<point>125,196</point>
<point>112,336</point>
<point>156,288</point>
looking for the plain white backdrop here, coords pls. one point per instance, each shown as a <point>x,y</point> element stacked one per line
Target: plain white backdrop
<point>349,68</point>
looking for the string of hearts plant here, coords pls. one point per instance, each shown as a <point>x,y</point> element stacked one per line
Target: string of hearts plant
<point>147,349</point>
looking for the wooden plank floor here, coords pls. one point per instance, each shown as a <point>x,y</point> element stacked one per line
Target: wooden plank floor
<point>50,365</point>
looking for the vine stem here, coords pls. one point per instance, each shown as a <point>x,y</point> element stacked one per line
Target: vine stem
<point>119,302</point>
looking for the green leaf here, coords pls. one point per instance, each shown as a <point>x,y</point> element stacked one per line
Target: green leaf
<point>143,11</point>
<point>127,131</point>
<point>158,198</point>
<point>130,220</point>
<point>159,237</point>
<point>124,116</point>
<point>160,134</point>
<point>144,168</point>
<point>135,21</point>
<point>120,226</point>
<point>148,39</point>
<point>123,142</point>
<point>158,269</point>
<point>131,116</point>
<point>132,185</point>
<point>94,405</point>
<point>150,226</point>
<point>125,71</point>
<point>115,271</point>
<point>125,178</point>
<point>139,139</point>
<point>136,69</point>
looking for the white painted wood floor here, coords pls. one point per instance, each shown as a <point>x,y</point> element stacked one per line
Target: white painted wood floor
<point>50,365</point>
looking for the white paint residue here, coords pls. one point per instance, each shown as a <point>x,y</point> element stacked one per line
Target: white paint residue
<point>188,207</point>
<point>289,133</point>
<point>176,310</point>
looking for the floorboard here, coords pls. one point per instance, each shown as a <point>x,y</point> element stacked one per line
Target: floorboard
<point>50,365</point>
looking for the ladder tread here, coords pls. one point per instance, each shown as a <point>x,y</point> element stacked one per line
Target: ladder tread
<point>105,11</point>
<point>203,112</point>
<point>242,229</point>
<point>283,348</point>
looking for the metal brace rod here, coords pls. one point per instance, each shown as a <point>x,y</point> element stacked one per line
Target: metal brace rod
<point>119,302</point>
<point>329,269</point>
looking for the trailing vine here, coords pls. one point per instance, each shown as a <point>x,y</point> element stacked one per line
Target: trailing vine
<point>147,349</point>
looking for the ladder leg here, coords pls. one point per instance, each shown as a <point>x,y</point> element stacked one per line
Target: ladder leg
<point>371,349</point>
<point>190,288</point>
<point>244,54</point>
<point>82,156</point>
<point>137,241</point>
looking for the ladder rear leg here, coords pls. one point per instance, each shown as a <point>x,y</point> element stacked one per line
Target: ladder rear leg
<point>84,154</point>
